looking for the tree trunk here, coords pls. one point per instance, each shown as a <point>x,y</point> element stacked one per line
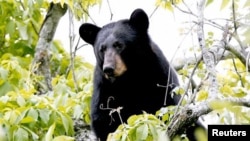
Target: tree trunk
<point>41,63</point>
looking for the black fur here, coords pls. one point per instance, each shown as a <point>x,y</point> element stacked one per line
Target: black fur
<point>136,89</point>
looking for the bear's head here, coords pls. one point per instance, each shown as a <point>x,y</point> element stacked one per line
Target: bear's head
<point>117,44</point>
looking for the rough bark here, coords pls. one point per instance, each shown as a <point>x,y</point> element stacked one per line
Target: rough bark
<point>189,114</point>
<point>46,34</point>
<point>208,57</point>
<point>83,131</point>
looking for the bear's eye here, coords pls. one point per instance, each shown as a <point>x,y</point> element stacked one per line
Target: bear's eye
<point>117,45</point>
<point>103,48</point>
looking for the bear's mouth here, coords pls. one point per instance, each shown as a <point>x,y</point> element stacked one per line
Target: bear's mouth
<point>111,78</point>
<point>109,73</point>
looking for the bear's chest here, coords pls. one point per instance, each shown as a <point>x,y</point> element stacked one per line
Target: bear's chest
<point>132,94</point>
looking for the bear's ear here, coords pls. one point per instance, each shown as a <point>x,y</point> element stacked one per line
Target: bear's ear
<point>139,20</point>
<point>88,32</point>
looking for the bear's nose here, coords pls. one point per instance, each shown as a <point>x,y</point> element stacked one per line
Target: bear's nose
<point>109,71</point>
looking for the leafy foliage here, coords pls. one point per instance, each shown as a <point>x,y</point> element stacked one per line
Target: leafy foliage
<point>167,4</point>
<point>232,73</point>
<point>20,27</point>
<point>141,127</point>
<point>25,115</point>
<point>79,7</point>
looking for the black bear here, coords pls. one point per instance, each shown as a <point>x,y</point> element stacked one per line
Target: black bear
<point>131,72</point>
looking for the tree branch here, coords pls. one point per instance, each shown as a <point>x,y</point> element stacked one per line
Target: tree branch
<point>190,113</point>
<point>71,44</point>
<point>238,52</point>
<point>110,10</point>
<point>41,58</point>
<point>208,56</point>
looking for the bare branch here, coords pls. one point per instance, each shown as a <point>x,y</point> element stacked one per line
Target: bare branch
<point>186,117</point>
<point>190,113</point>
<point>191,78</point>
<point>71,44</point>
<point>236,35</point>
<point>222,53</point>
<point>237,72</point>
<point>86,12</point>
<point>239,53</point>
<point>111,13</point>
<point>151,15</point>
<point>188,84</point>
<point>208,56</point>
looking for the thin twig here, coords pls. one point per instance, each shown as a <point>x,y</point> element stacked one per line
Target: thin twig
<point>86,12</point>
<point>71,44</point>
<point>188,84</point>
<point>236,35</point>
<point>211,22</point>
<point>151,15</point>
<point>183,39</point>
<point>110,10</point>
<point>190,79</point>
<point>76,46</point>
<point>236,70</point>
<point>82,46</point>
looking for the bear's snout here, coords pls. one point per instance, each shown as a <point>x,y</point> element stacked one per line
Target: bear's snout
<point>109,63</point>
<point>113,65</point>
<point>109,71</point>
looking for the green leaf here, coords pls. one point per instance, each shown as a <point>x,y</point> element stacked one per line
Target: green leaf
<point>33,134</point>
<point>21,135</point>
<point>247,4</point>
<point>11,116</point>
<point>63,138</point>
<point>10,28</point>
<point>39,2</point>
<point>22,28</point>
<point>61,88</point>
<point>67,123</point>
<point>210,34</point>
<point>226,90</point>
<point>44,114</point>
<point>132,119</point>
<point>78,110</point>
<point>27,120</point>
<point>5,87</point>
<point>142,132</point>
<point>209,2</point>
<point>216,104</point>
<point>153,131</point>
<point>21,49</point>
<point>202,95</point>
<point>21,101</point>
<point>3,73</point>
<point>21,114</point>
<point>162,136</point>
<point>169,6</point>
<point>33,113</point>
<point>224,4</point>
<point>49,134</point>
<point>3,133</point>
